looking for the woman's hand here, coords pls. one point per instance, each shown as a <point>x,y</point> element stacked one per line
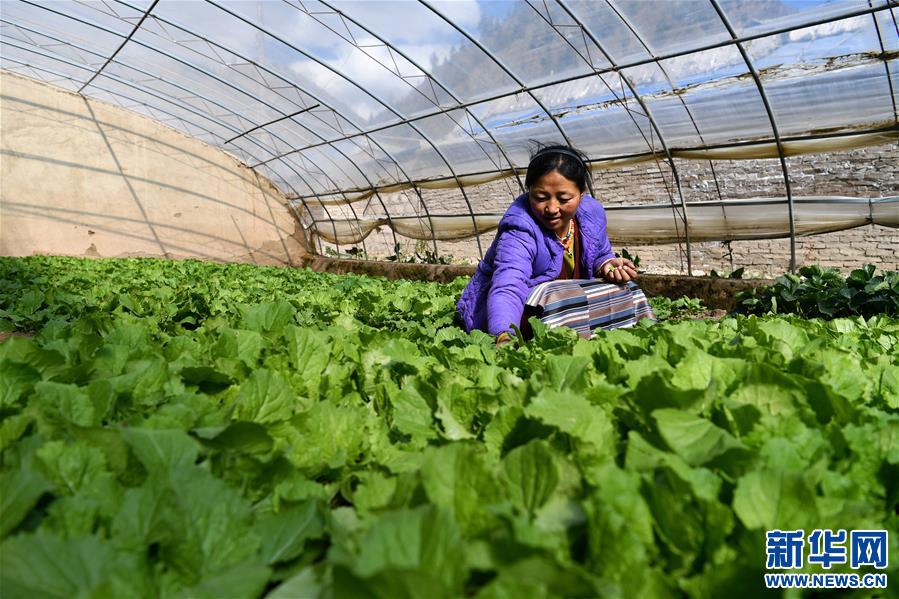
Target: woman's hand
<point>618,271</point>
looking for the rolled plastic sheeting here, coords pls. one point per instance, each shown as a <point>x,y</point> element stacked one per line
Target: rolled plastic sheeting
<point>347,232</point>
<point>446,228</point>
<point>734,220</point>
<point>748,219</point>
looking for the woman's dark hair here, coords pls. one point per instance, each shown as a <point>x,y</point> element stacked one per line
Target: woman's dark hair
<point>570,162</point>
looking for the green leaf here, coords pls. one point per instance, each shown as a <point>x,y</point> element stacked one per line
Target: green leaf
<point>21,490</point>
<point>70,466</point>
<point>244,580</point>
<point>566,372</point>
<point>268,317</point>
<point>284,534</point>
<point>246,346</point>
<point>309,353</point>
<point>140,521</point>
<point>17,381</point>
<point>161,450</point>
<point>459,478</point>
<point>242,437</point>
<point>576,416</point>
<point>44,565</point>
<point>412,414</point>
<point>327,436</point>
<point>620,533</point>
<point>68,403</point>
<point>208,524</point>
<point>12,428</point>
<point>679,517</point>
<point>695,439</point>
<point>769,499</point>
<point>266,397</point>
<point>205,378</point>
<point>452,428</point>
<point>531,474</point>
<point>424,542</point>
<point>303,585</point>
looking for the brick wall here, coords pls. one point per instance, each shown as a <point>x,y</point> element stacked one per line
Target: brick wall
<point>867,172</point>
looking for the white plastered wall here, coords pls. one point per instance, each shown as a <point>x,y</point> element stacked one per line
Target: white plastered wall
<point>85,178</point>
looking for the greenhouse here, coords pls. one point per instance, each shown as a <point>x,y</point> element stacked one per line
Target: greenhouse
<point>261,333</point>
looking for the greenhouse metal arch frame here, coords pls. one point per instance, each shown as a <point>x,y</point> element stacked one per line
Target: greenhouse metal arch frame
<point>457,157</point>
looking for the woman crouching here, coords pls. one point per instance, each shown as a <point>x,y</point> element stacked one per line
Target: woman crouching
<point>552,259</point>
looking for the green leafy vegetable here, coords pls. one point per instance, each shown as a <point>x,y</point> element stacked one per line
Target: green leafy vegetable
<point>192,429</point>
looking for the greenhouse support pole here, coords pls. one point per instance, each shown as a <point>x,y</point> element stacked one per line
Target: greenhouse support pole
<point>380,101</point>
<point>626,65</point>
<point>680,97</point>
<point>134,85</point>
<point>886,64</point>
<point>250,61</point>
<point>211,75</point>
<point>652,123</point>
<point>774,129</point>
<point>122,45</point>
<point>521,84</point>
<point>430,76</point>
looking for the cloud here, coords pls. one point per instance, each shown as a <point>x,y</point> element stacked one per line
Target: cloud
<point>828,29</point>
<point>369,75</point>
<point>410,27</point>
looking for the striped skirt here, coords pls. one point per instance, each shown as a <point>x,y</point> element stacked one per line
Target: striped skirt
<point>587,305</point>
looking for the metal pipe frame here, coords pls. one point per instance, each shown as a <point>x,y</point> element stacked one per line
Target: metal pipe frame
<point>305,127</point>
<point>521,84</point>
<point>655,127</point>
<point>122,45</point>
<point>886,64</point>
<point>735,40</point>
<point>321,102</point>
<point>680,97</point>
<point>155,94</point>
<point>212,76</point>
<point>142,90</point>
<point>154,76</point>
<point>116,94</point>
<point>216,78</point>
<point>759,201</point>
<point>627,65</point>
<point>671,84</point>
<point>390,108</point>
<point>783,162</point>
<point>278,120</point>
<point>811,200</point>
<point>648,155</point>
<point>430,77</point>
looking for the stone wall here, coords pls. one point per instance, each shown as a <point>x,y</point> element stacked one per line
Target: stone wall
<point>867,172</point>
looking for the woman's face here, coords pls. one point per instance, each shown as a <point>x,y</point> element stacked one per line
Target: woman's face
<point>554,200</point>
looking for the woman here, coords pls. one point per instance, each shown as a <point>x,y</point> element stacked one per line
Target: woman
<point>549,247</point>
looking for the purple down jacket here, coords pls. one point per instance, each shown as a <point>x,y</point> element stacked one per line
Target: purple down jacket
<point>523,255</point>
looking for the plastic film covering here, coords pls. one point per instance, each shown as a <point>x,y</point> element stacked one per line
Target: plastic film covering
<point>342,103</point>
<point>748,151</point>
